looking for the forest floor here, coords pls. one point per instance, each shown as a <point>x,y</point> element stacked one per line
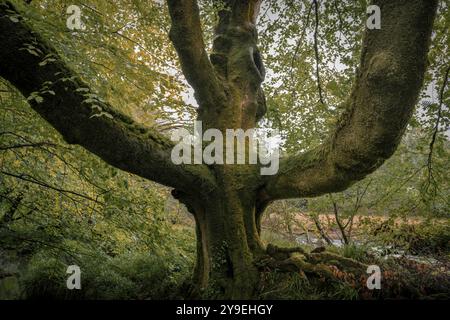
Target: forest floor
<point>413,256</point>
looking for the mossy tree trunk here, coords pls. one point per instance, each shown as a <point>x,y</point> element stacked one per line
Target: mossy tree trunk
<point>227,246</point>
<point>227,201</point>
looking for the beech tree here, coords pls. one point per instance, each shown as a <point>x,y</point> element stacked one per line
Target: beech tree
<point>228,201</point>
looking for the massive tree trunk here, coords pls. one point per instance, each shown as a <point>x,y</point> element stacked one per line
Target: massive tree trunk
<point>227,245</point>
<point>227,201</point>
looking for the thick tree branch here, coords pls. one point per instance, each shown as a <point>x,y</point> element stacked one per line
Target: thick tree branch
<point>34,67</point>
<point>392,67</point>
<point>186,35</point>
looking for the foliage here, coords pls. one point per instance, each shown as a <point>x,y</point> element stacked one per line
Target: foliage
<point>60,206</point>
<point>127,276</point>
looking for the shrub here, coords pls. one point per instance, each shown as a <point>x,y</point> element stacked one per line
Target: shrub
<point>126,276</point>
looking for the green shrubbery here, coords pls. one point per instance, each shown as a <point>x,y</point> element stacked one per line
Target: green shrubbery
<point>430,237</point>
<point>401,276</point>
<point>127,276</point>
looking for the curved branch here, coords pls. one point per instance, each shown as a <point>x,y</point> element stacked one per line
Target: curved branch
<point>54,91</point>
<point>392,67</point>
<point>187,38</point>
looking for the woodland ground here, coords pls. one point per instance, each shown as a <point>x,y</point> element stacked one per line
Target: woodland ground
<point>414,265</point>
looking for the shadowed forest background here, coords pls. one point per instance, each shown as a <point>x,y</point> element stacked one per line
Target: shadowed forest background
<point>61,205</point>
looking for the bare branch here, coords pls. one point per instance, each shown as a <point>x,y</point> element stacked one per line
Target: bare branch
<point>321,230</point>
<point>338,220</point>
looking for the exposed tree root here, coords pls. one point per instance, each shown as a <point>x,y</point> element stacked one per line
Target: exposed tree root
<point>323,265</point>
<point>329,274</point>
